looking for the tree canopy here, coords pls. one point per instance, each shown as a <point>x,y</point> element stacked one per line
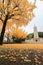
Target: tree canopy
<point>18,12</point>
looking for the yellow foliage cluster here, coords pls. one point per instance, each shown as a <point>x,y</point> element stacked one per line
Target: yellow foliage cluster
<point>22,10</point>
<point>18,33</point>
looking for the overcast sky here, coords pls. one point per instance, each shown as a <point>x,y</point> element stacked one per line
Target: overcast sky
<point>38,19</point>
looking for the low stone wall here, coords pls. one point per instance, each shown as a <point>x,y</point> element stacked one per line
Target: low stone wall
<point>40,40</point>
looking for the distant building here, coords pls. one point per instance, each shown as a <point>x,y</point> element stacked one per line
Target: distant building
<point>36,36</point>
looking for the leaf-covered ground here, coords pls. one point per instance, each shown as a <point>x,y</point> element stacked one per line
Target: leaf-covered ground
<point>14,56</point>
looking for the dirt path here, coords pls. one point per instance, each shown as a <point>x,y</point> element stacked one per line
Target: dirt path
<point>26,46</point>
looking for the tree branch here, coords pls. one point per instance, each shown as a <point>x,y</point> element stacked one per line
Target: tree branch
<point>1,20</point>
<point>17,5</point>
<point>16,18</point>
<point>2,1</point>
<point>10,16</point>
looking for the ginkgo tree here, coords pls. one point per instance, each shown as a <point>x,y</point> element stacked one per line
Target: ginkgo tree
<point>20,33</point>
<point>18,12</point>
<point>11,34</point>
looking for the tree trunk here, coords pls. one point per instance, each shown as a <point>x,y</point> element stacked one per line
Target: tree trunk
<point>3,31</point>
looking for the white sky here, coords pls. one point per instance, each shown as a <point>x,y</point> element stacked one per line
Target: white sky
<point>38,19</point>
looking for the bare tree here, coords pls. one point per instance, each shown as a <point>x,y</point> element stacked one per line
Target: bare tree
<point>20,12</point>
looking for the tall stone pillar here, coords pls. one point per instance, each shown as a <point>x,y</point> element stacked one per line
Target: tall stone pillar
<point>36,36</point>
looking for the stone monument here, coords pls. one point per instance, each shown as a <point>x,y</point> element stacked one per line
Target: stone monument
<point>36,36</point>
